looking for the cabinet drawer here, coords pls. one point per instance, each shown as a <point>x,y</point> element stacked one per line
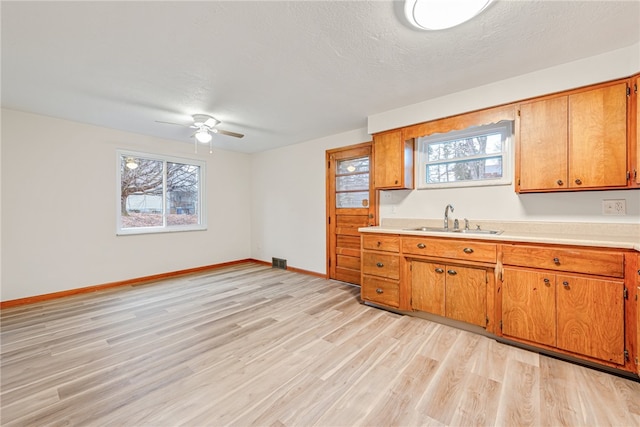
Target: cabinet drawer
<point>450,248</point>
<point>381,264</point>
<point>379,290</point>
<point>586,261</point>
<point>381,243</point>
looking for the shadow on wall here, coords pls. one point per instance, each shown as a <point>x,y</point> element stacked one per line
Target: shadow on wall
<point>578,204</point>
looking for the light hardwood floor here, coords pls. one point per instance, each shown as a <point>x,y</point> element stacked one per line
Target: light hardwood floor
<point>250,345</point>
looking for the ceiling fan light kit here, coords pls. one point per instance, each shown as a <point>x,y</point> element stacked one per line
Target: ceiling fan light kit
<point>206,127</point>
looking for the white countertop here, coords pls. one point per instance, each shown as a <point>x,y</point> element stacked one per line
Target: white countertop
<point>621,236</point>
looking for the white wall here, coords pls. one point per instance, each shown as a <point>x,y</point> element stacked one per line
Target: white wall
<point>288,212</point>
<point>59,207</point>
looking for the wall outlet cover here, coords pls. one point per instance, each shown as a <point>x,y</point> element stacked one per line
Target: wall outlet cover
<point>614,207</point>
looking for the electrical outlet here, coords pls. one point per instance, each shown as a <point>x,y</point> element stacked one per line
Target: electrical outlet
<point>614,207</point>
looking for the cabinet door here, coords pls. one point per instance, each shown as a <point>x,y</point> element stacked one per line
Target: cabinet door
<point>393,161</point>
<point>598,137</point>
<point>542,145</point>
<point>466,295</point>
<point>528,306</point>
<point>590,317</point>
<point>428,287</point>
<point>636,127</point>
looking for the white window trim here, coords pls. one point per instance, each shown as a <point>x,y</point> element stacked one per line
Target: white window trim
<point>202,215</point>
<point>507,156</point>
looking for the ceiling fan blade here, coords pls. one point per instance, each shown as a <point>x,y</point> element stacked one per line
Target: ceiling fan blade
<point>229,133</point>
<point>171,123</point>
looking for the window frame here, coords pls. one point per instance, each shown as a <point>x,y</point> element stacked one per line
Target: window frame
<point>201,205</point>
<point>506,128</point>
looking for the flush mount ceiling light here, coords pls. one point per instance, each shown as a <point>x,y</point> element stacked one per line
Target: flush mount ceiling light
<point>442,14</point>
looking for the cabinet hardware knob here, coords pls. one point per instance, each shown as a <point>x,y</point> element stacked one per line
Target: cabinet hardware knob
<point>379,243</point>
<point>452,272</point>
<point>439,270</point>
<point>578,181</point>
<point>547,281</point>
<point>565,284</point>
<point>396,181</point>
<point>467,250</point>
<point>379,265</point>
<point>421,245</point>
<point>379,291</point>
<point>559,182</point>
<point>556,261</point>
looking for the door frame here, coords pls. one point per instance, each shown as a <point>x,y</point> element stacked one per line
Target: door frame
<point>330,198</point>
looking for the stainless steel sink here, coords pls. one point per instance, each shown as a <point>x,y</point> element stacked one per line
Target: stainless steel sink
<point>479,231</point>
<point>451,230</point>
<point>434,229</point>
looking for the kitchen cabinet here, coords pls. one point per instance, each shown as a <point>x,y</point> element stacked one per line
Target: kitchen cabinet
<point>573,141</point>
<point>558,297</point>
<point>450,277</point>
<point>380,269</point>
<point>450,290</point>
<point>392,161</point>
<point>635,126</point>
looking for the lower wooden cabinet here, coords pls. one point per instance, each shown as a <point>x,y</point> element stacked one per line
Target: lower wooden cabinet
<point>380,269</point>
<point>581,315</point>
<point>452,291</point>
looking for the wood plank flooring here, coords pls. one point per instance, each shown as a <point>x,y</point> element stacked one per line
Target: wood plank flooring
<point>250,345</point>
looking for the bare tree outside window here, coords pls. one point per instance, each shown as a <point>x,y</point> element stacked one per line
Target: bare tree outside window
<point>474,156</point>
<point>159,193</point>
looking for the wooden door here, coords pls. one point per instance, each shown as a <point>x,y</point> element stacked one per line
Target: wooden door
<point>542,146</point>
<point>350,205</point>
<point>428,287</point>
<point>590,317</point>
<point>529,305</point>
<point>598,137</point>
<point>466,295</point>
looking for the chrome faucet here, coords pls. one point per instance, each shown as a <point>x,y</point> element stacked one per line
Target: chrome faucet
<point>446,216</point>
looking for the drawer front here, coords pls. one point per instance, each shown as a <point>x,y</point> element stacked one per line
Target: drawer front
<point>381,243</point>
<point>450,248</point>
<point>381,264</point>
<point>602,263</point>
<point>382,291</point>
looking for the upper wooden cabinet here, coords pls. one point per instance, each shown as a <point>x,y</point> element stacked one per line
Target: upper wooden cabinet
<point>392,161</point>
<point>574,141</point>
<point>634,128</point>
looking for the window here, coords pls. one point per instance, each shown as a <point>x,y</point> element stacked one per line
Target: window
<point>352,183</point>
<point>476,156</point>
<point>159,194</point>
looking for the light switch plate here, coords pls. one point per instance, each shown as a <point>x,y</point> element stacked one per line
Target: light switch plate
<point>614,207</point>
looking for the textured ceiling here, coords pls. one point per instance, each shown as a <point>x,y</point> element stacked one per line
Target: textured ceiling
<point>279,72</point>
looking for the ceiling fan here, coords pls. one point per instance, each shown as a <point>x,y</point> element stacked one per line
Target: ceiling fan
<point>206,127</point>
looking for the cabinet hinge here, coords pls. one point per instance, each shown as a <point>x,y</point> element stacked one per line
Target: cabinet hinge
<point>329,165</point>
<point>329,262</point>
<point>625,293</point>
<point>626,355</point>
<point>635,87</point>
<point>518,113</point>
<point>628,175</point>
<point>487,324</point>
<point>329,218</point>
<point>501,325</point>
<point>628,91</point>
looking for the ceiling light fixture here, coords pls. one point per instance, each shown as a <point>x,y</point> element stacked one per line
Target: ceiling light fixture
<point>442,14</point>
<point>203,135</point>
